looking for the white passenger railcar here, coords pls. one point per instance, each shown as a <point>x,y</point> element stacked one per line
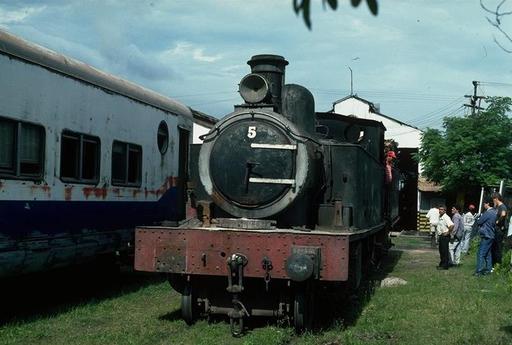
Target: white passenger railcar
<point>84,157</point>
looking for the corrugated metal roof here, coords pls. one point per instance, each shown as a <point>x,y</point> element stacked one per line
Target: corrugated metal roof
<point>202,117</point>
<point>373,109</point>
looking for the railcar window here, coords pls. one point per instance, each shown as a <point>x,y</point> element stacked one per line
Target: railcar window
<point>79,158</point>
<point>21,149</point>
<point>126,164</point>
<point>163,137</point>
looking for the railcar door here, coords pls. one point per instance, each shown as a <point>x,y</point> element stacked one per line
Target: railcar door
<point>184,137</point>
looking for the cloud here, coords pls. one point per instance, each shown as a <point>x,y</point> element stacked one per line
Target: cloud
<point>187,49</point>
<point>199,47</point>
<point>20,15</point>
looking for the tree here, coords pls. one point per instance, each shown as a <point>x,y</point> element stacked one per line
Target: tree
<point>304,6</point>
<point>471,151</point>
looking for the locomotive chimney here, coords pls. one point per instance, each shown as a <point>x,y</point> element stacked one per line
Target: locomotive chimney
<point>271,67</point>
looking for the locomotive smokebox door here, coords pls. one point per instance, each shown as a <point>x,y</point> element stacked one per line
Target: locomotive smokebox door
<point>254,164</point>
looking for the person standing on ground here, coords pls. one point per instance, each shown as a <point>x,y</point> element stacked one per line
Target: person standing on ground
<point>500,228</point>
<point>444,226</point>
<point>486,224</point>
<point>469,220</point>
<point>456,236</point>
<point>509,240</point>
<point>433,219</point>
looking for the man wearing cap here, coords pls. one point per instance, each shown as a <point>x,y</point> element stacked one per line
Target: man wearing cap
<point>469,220</point>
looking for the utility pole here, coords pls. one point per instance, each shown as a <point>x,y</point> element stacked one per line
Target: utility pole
<point>474,98</point>
<point>351,82</point>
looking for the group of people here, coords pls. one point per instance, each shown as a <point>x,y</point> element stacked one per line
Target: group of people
<point>454,234</point>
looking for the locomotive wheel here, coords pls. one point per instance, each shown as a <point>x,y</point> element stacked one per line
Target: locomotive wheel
<point>188,305</point>
<point>303,309</point>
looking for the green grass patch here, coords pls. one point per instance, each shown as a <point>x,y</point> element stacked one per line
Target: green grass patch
<point>434,307</point>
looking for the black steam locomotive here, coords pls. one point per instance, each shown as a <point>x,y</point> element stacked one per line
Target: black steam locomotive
<point>284,201</point>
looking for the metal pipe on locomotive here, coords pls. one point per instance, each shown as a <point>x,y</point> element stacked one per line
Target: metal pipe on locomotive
<point>286,200</point>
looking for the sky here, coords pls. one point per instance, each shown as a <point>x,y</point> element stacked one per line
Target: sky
<point>416,59</point>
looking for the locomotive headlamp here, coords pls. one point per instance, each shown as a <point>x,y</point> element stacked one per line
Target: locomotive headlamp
<point>253,88</point>
<point>299,267</point>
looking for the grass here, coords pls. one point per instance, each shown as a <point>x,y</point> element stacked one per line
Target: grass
<point>434,307</point>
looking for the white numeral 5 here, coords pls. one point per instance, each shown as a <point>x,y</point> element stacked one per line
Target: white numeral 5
<point>251,132</point>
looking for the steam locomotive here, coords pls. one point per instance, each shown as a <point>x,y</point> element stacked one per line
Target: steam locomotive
<point>284,201</point>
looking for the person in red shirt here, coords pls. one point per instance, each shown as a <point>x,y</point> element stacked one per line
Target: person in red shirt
<point>390,156</point>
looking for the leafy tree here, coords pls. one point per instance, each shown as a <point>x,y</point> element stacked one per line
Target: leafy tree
<point>304,7</point>
<point>471,151</point>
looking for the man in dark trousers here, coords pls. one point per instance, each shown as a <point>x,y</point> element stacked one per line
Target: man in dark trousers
<point>457,234</point>
<point>500,228</point>
<point>444,227</point>
<point>486,224</point>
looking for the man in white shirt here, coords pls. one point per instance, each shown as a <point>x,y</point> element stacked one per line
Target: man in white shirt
<point>469,220</point>
<point>433,218</point>
<point>444,227</point>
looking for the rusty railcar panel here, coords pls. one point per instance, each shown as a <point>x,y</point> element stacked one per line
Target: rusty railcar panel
<point>205,251</point>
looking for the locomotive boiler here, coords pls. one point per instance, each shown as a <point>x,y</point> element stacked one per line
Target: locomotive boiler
<point>283,201</point>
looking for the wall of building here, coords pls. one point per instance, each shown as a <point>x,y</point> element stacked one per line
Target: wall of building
<point>406,136</point>
<point>197,131</point>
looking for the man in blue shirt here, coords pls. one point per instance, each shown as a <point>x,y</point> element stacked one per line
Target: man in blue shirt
<point>486,224</point>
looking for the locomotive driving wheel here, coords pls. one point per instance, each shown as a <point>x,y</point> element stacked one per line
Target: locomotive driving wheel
<point>189,310</point>
<point>303,308</point>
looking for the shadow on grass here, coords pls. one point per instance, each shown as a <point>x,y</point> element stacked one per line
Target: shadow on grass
<point>35,296</point>
<point>171,316</point>
<point>343,307</point>
<point>335,305</point>
<point>507,329</point>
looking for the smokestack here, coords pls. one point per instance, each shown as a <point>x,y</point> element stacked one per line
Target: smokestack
<point>272,68</point>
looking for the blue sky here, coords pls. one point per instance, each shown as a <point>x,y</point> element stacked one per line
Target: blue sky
<point>416,58</point>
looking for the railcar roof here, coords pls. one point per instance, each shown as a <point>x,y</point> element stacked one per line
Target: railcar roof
<point>33,53</point>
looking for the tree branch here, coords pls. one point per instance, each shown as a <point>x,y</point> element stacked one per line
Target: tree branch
<point>498,16</point>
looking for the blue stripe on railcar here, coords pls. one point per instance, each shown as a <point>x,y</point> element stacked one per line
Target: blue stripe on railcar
<point>21,219</point>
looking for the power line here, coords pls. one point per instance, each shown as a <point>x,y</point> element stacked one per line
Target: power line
<point>389,94</point>
<point>439,110</point>
<point>435,120</point>
<point>213,102</point>
<point>494,83</point>
<point>436,115</point>
<point>204,94</point>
